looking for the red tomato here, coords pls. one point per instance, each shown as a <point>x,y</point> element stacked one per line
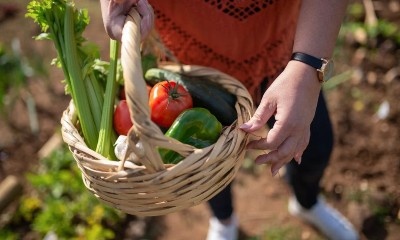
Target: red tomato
<point>122,120</point>
<point>167,100</point>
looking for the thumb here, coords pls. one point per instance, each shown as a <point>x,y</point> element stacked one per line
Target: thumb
<point>260,117</point>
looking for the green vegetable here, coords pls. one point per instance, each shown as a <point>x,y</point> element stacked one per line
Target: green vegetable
<point>107,136</point>
<point>205,93</point>
<point>196,127</point>
<point>75,79</point>
<point>64,24</point>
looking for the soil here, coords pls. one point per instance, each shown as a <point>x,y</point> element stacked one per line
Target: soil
<point>361,181</point>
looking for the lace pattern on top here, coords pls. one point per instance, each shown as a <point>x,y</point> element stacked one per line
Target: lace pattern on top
<point>239,9</point>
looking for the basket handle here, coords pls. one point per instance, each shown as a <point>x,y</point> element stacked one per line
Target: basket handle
<point>143,130</point>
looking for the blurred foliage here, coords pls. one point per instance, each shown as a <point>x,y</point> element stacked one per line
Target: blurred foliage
<point>367,46</point>
<point>13,71</point>
<point>366,29</point>
<point>60,204</point>
<point>279,233</point>
<point>380,206</point>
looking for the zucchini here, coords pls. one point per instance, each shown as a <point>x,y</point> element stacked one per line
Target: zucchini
<point>205,93</point>
<point>214,87</point>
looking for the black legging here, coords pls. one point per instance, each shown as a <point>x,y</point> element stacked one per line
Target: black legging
<point>304,179</point>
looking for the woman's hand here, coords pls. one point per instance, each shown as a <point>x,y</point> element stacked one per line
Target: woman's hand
<point>292,98</point>
<point>114,13</point>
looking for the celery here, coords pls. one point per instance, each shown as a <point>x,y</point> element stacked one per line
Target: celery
<point>107,135</point>
<point>64,25</point>
<point>78,92</point>
<point>95,100</point>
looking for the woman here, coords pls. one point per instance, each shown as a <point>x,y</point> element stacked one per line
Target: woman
<point>275,49</point>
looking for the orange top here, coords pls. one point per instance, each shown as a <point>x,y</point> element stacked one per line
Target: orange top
<point>247,39</point>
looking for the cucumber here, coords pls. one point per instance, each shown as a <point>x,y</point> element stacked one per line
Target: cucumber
<point>204,92</point>
<point>214,87</point>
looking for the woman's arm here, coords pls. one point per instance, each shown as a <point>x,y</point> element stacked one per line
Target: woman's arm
<point>293,96</point>
<point>318,26</point>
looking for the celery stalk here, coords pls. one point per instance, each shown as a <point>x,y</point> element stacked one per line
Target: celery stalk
<point>78,92</point>
<point>62,23</point>
<point>95,100</point>
<point>107,136</point>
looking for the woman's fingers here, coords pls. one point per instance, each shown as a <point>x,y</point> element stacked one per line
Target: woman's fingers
<point>147,13</point>
<point>292,146</point>
<point>114,14</point>
<point>115,19</point>
<point>263,112</point>
<point>275,137</point>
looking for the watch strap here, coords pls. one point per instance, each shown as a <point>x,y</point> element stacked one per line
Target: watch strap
<point>307,59</point>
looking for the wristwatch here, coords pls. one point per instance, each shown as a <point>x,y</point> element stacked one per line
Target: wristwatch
<point>323,66</point>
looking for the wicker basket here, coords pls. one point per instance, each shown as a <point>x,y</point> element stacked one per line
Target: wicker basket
<point>152,188</point>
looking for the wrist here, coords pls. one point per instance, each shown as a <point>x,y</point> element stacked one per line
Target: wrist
<point>305,74</point>
<point>323,66</point>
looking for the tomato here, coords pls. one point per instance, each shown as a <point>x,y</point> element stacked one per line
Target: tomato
<point>121,119</point>
<point>167,100</point>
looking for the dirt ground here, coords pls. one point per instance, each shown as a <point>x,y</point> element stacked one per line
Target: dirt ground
<point>362,180</point>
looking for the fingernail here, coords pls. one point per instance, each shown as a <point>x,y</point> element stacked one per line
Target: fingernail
<point>298,160</point>
<point>274,172</point>
<point>245,126</point>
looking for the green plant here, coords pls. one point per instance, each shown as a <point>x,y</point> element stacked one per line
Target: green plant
<point>14,71</point>
<point>60,203</point>
<point>380,209</point>
<point>280,233</point>
<point>7,234</point>
<point>362,24</point>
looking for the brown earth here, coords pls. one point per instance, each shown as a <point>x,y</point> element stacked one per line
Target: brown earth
<point>362,180</point>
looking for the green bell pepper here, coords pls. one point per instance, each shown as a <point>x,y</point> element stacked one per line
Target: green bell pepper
<point>195,126</point>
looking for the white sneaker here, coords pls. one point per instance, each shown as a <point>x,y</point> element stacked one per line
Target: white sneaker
<point>220,231</point>
<point>326,219</point>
